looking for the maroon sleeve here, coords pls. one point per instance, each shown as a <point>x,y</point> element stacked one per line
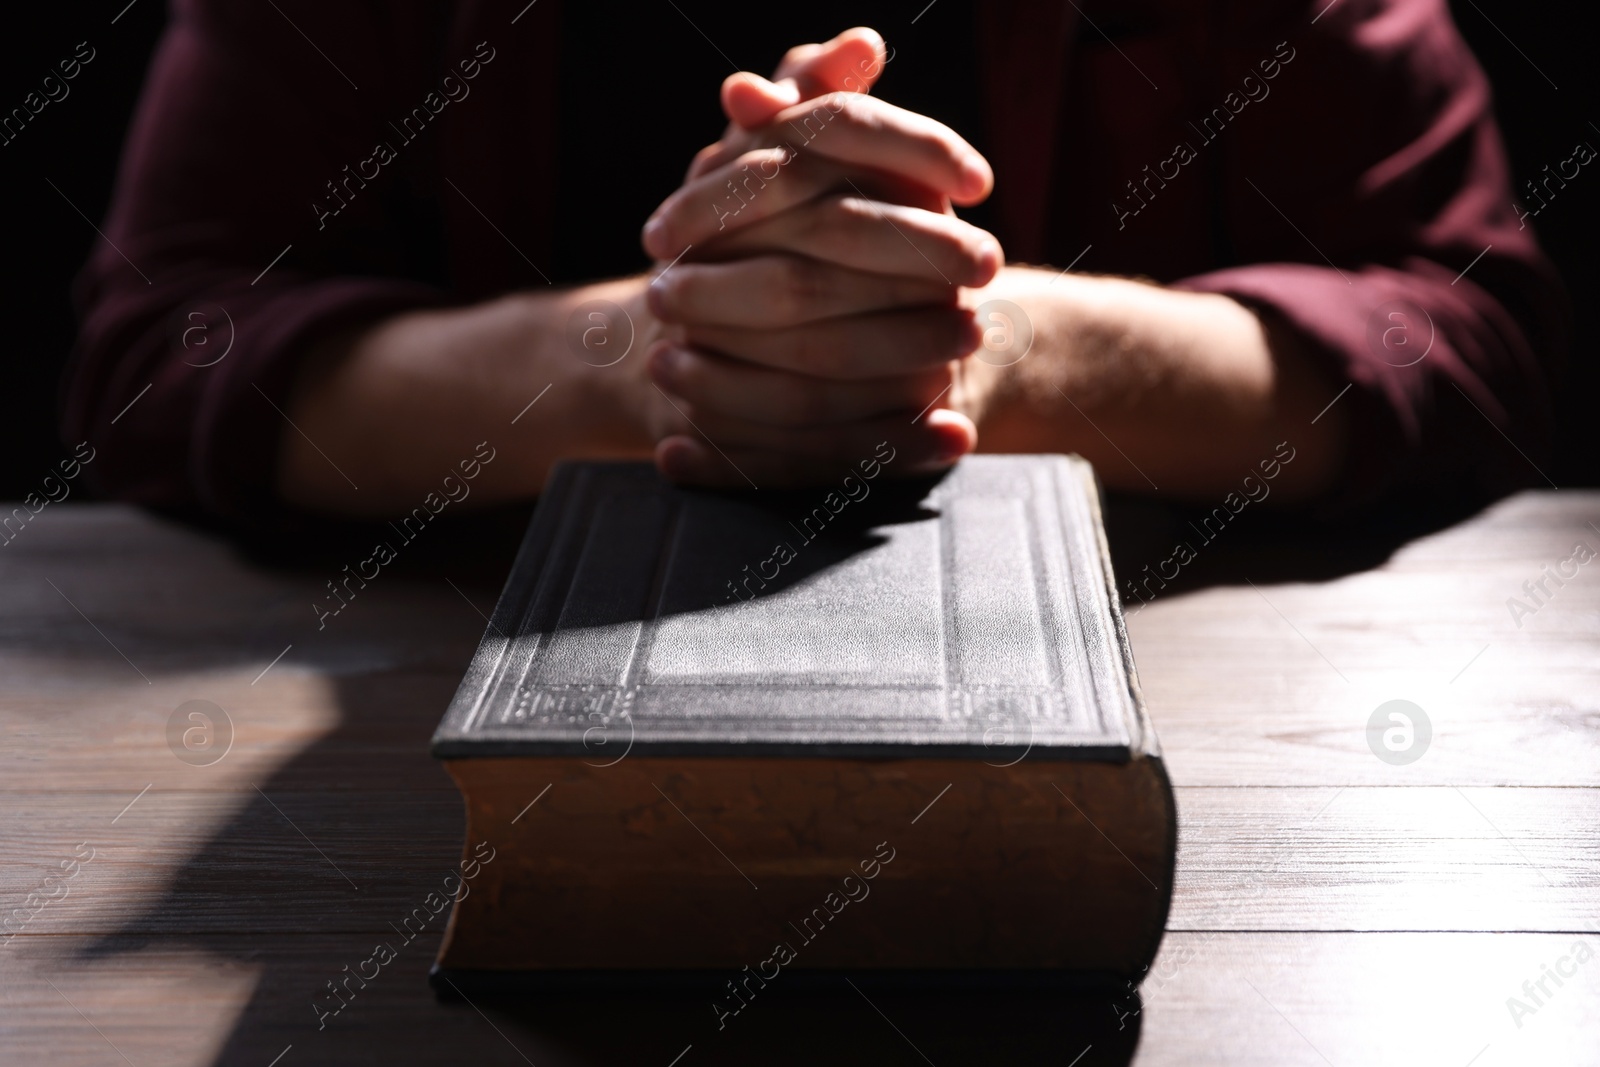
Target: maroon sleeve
<point>216,270</point>
<point>1370,199</point>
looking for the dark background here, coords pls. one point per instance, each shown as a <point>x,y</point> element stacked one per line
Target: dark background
<point>1545,84</point>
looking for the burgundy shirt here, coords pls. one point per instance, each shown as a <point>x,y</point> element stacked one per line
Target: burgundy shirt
<point>1341,171</point>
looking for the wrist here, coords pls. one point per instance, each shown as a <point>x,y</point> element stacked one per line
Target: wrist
<point>1157,386</point>
<point>394,402</point>
<point>597,336</point>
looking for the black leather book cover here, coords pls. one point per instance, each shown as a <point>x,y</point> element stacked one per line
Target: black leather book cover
<point>967,615</point>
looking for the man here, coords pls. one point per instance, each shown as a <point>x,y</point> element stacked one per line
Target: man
<point>1313,197</point>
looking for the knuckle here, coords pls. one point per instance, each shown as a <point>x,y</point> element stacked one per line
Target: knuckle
<point>688,379</point>
<point>798,169</point>
<point>840,102</point>
<point>851,209</point>
<point>933,138</point>
<point>753,158</point>
<point>708,159</point>
<point>802,289</point>
<point>796,56</point>
<point>939,144</point>
<point>857,109</point>
<point>673,290</point>
<point>751,172</point>
<point>842,223</point>
<point>955,255</point>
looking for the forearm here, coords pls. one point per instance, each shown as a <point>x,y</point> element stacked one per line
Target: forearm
<point>380,416</point>
<point>1181,392</point>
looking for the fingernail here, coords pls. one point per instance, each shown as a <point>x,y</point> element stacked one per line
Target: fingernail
<point>974,173</point>
<point>654,230</point>
<point>989,258</point>
<point>655,297</point>
<point>675,457</point>
<point>665,362</point>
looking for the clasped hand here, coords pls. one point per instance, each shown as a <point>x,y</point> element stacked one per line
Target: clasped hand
<point>808,281</point>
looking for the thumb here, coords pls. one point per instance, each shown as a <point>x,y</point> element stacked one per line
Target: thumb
<point>749,100</point>
<point>851,62</point>
<point>957,434</point>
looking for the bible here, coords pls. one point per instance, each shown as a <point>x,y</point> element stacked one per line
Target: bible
<point>889,727</point>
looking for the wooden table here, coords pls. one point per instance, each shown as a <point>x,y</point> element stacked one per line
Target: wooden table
<point>1331,907</point>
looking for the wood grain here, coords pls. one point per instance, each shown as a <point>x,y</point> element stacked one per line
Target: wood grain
<point>1330,907</point>
<point>1249,858</point>
<point>1273,684</point>
<point>1213,1000</point>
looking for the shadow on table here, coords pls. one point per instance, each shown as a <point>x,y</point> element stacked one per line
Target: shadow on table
<point>386,823</point>
<point>351,835</point>
<point>1160,549</point>
<point>946,1028</point>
